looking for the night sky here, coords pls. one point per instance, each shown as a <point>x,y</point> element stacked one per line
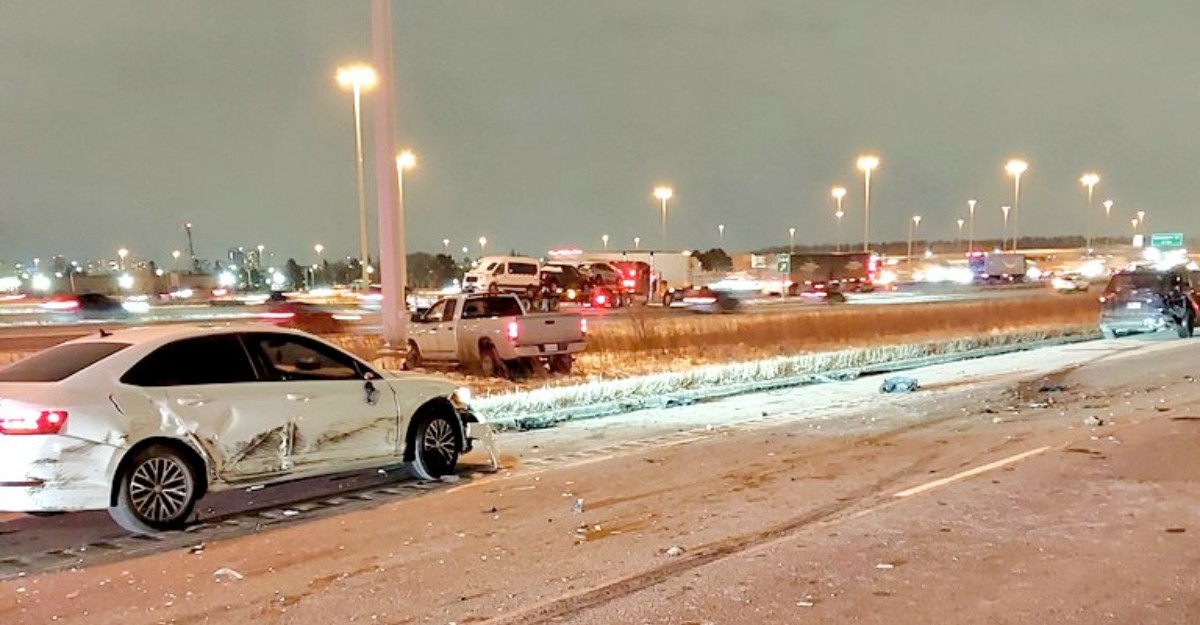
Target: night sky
<point>546,124</point>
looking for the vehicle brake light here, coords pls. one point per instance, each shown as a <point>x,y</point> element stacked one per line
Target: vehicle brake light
<point>633,273</point>
<point>26,421</point>
<point>69,304</point>
<point>513,330</point>
<point>601,299</point>
<point>583,325</point>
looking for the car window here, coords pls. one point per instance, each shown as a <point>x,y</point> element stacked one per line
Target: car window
<point>217,359</point>
<point>450,306</point>
<point>490,267</point>
<point>295,358</point>
<point>523,269</point>
<point>436,313</point>
<point>59,362</point>
<point>478,307</point>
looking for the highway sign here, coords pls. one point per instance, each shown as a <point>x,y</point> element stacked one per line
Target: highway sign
<point>1170,239</point>
<point>783,263</point>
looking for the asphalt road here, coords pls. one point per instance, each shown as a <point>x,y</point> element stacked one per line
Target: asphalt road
<point>981,498</point>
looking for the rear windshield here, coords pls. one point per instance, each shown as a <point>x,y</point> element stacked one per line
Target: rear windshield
<point>477,307</point>
<point>60,362</point>
<point>1130,281</point>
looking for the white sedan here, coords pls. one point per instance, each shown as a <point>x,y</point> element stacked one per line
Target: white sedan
<point>143,422</point>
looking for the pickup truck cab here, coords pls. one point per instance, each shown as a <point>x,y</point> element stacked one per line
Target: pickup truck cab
<point>496,332</point>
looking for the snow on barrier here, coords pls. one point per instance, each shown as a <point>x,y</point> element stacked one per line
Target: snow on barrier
<point>545,407</point>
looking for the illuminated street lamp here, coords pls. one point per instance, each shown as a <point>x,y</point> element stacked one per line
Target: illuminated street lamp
<point>971,225</point>
<point>318,248</point>
<point>357,78</point>
<point>867,164</point>
<point>1141,217</point>
<point>637,243</point>
<point>838,193</point>
<point>791,240</point>
<point>604,239</point>
<point>1015,168</point>
<point>482,245</point>
<point>961,222</point>
<point>405,160</point>
<point>721,236</point>
<point>176,255</point>
<point>664,194</point>
<point>1089,180</point>
<point>912,230</point>
<point>122,253</point>
<point>446,244</point>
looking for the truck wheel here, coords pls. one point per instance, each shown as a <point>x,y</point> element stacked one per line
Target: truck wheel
<point>490,363</point>
<point>561,364</point>
<point>412,357</point>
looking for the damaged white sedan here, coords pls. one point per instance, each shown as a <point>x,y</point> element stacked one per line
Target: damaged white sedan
<point>143,422</point>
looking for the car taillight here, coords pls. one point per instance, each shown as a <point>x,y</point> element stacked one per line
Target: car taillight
<point>629,283</point>
<point>601,299</point>
<point>583,326</point>
<point>513,330</point>
<point>28,421</point>
<point>633,273</point>
<point>69,304</point>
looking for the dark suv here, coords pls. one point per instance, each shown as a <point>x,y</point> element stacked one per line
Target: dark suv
<point>1148,300</point>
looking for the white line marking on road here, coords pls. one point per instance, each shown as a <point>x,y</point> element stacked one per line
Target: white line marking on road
<point>970,473</point>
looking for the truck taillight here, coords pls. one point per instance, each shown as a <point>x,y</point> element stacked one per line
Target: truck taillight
<point>513,330</point>
<point>583,325</point>
<point>26,421</point>
<point>601,299</point>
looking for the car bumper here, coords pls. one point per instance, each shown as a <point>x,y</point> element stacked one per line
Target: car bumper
<point>54,474</point>
<point>1139,323</point>
<point>549,349</point>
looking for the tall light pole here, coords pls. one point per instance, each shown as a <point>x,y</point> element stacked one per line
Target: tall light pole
<point>405,161</point>
<point>664,194</point>
<point>446,245</point>
<point>604,240</point>
<point>482,245</point>
<point>1142,222</point>
<point>721,236</point>
<point>175,255</point>
<point>637,243</point>
<point>912,230</point>
<point>1004,243</point>
<point>961,222</point>
<point>1015,168</point>
<point>867,164</point>
<point>838,192</point>
<point>1108,204</point>
<point>187,227</point>
<point>357,78</point>
<point>318,248</point>
<point>122,253</point>
<point>971,225</point>
<point>1089,180</point>
<point>791,240</point>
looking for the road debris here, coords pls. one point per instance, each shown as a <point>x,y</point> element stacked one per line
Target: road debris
<point>674,551</point>
<point>885,566</point>
<point>196,549</point>
<point>899,384</point>
<point>227,573</point>
<point>1093,421</point>
<point>578,507</point>
<point>1052,388</point>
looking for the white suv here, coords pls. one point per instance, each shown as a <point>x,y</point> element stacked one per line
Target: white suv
<point>513,274</point>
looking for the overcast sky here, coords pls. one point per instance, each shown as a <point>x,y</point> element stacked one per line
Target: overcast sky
<point>547,123</point>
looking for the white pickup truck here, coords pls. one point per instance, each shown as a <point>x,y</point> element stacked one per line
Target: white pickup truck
<point>495,332</point>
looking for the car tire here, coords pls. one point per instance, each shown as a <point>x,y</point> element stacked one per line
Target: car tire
<point>412,357</point>
<point>1186,327</point>
<point>156,491</point>
<point>561,363</point>
<point>490,363</point>
<point>1108,333</point>
<point>435,445</point>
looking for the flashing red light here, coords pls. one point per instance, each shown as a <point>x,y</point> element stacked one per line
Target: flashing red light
<point>513,330</point>
<point>633,273</point>
<point>15,421</point>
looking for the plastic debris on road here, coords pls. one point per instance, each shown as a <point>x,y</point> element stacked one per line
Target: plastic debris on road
<point>227,573</point>
<point>899,384</point>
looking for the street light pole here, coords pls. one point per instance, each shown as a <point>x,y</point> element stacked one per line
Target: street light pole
<point>637,243</point>
<point>1108,204</point>
<point>791,240</point>
<point>1089,180</point>
<point>838,193</point>
<point>971,225</point>
<point>664,194</point>
<point>912,230</point>
<point>604,239</point>
<point>867,164</point>
<point>1141,217</point>
<point>358,77</point>
<point>721,236</point>
<point>1016,167</point>
<point>318,248</point>
<point>960,228</point>
<point>1004,243</point>
<point>191,247</point>
<point>482,246</point>
<point>122,253</point>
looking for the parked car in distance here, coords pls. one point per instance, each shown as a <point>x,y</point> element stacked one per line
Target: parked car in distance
<point>508,274</point>
<point>1070,283</point>
<point>145,421</point>
<point>495,332</point>
<point>1148,300</point>
<point>300,315</point>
